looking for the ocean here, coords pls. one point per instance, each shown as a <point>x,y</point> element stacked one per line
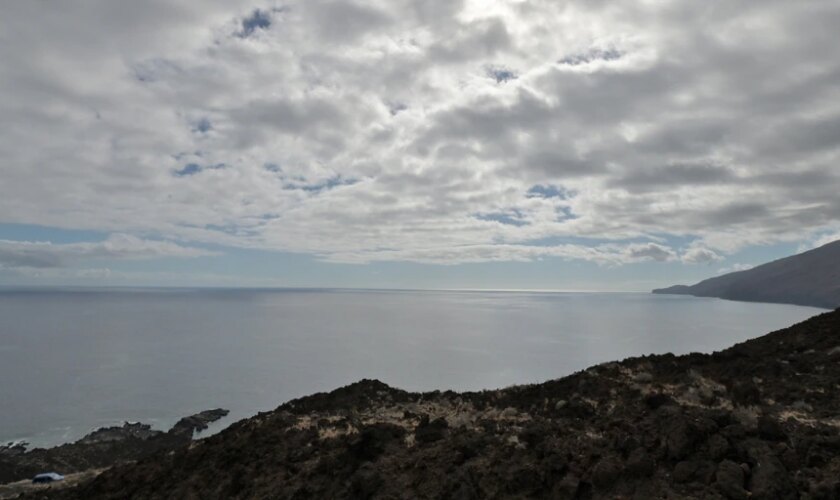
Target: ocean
<point>72,360</point>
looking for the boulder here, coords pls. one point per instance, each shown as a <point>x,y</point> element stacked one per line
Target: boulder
<point>729,480</point>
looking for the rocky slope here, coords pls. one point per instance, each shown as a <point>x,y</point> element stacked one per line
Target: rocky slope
<point>101,448</point>
<point>759,420</point>
<point>811,278</point>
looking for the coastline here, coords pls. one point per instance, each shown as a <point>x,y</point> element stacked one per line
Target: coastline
<point>665,291</point>
<point>759,419</point>
<point>101,448</point>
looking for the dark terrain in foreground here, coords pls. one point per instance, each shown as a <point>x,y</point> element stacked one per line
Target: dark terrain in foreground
<point>759,420</point>
<point>97,451</point>
<point>811,278</point>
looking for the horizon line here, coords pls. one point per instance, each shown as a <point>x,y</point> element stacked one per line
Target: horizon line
<point>314,288</point>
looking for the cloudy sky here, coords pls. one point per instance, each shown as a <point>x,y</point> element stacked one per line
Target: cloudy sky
<point>414,143</point>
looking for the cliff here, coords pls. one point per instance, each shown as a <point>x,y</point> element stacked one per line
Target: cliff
<point>811,278</point>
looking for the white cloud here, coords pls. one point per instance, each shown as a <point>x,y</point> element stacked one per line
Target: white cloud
<point>734,268</point>
<point>361,131</point>
<point>607,254</point>
<point>700,255</point>
<point>825,239</point>
<point>106,276</point>
<point>45,255</point>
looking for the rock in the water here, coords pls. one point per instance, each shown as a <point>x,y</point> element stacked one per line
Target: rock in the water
<point>111,434</point>
<point>197,422</point>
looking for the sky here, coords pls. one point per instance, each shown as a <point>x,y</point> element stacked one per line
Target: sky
<point>508,144</point>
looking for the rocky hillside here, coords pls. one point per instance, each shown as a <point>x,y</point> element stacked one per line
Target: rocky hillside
<point>760,420</point>
<point>811,278</point>
<point>100,449</point>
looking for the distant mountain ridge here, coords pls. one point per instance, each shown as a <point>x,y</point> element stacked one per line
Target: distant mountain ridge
<point>810,278</point>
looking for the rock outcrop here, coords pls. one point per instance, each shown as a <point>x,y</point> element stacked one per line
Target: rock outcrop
<point>188,426</point>
<point>101,448</point>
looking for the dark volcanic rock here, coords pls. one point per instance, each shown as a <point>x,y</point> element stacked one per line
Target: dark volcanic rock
<point>606,473</point>
<point>770,428</point>
<point>718,447</point>
<point>729,479</point>
<point>428,432</point>
<point>769,478</point>
<point>129,430</point>
<point>640,464</point>
<point>198,422</point>
<point>13,449</point>
<point>735,424</point>
<point>101,448</point>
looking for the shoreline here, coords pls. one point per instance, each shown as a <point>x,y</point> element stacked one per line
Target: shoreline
<point>72,436</point>
<point>101,448</point>
<point>760,419</point>
<point>159,423</point>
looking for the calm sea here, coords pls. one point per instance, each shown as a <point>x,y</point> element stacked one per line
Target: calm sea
<point>75,360</point>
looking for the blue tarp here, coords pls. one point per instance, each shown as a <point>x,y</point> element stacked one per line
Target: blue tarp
<point>47,477</point>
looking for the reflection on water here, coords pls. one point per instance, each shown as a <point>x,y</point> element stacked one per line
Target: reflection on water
<point>71,361</point>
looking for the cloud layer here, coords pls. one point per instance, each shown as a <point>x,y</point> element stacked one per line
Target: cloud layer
<point>442,132</point>
<point>44,255</point>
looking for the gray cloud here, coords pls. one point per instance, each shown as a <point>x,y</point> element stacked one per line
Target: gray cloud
<point>479,39</point>
<point>344,21</point>
<point>287,116</point>
<point>709,123</point>
<point>736,213</point>
<point>673,175</point>
<point>651,251</point>
<point>699,255</point>
<point>14,254</point>
<point>44,255</point>
<point>558,163</point>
